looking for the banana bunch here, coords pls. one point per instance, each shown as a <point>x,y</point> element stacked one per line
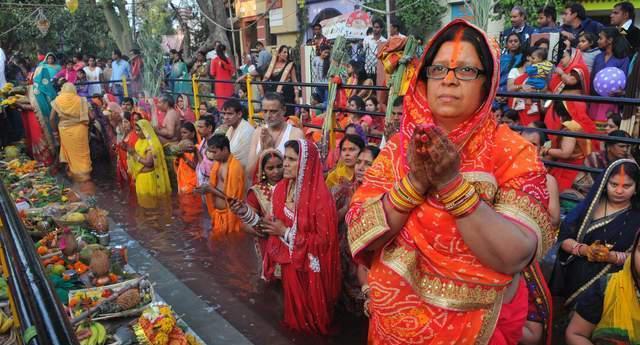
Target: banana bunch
<point>91,333</point>
<point>6,322</point>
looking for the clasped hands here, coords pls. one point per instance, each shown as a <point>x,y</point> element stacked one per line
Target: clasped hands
<point>433,159</point>
<point>598,252</point>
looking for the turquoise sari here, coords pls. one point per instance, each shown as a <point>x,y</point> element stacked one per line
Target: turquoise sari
<point>179,71</point>
<point>43,90</point>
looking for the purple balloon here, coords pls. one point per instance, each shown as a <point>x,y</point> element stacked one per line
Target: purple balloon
<point>609,81</point>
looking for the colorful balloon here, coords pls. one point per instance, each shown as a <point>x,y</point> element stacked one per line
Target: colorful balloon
<point>609,81</point>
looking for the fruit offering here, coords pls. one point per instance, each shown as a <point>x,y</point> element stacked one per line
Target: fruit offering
<point>91,333</point>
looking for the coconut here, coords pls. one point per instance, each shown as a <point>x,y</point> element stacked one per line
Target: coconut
<point>129,299</point>
<point>100,264</point>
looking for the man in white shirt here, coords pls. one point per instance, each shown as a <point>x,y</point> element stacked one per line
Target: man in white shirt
<point>395,30</point>
<point>370,45</point>
<point>239,131</point>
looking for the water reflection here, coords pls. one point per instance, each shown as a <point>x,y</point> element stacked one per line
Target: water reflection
<point>223,272</point>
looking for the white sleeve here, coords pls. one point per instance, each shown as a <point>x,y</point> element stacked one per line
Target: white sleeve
<point>513,73</point>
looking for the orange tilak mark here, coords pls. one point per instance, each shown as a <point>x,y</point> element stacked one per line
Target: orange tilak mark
<point>453,62</point>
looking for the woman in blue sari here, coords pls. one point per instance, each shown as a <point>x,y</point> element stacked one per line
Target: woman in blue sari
<point>596,237</point>
<point>179,71</point>
<point>41,94</point>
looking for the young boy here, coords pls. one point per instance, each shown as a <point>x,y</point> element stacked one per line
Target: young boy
<point>226,181</point>
<point>539,70</point>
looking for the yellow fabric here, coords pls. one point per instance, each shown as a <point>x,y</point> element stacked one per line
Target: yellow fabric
<point>340,174</point>
<point>155,183</point>
<point>621,309</point>
<point>74,150</point>
<point>71,108</point>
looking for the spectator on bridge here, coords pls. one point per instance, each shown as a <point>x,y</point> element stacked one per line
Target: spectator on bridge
<point>572,117</point>
<point>512,56</point>
<point>395,29</point>
<point>82,87</point>
<point>179,71</point>
<point>370,45</point>
<point>282,69</point>
<point>264,58</point>
<point>94,74</point>
<point>612,152</point>
<point>590,248</point>
<point>576,21</point>
<point>137,65</point>
<point>547,18</point>
<point>222,69</point>
<point>613,122</point>
<point>519,26</point>
<point>623,17</point>
<point>356,75</point>
<point>67,73</point>
<point>119,69</point>
<point>615,53</point>
<point>528,109</point>
<point>588,45</point>
<point>320,70</point>
<point>319,39</point>
<point>200,69</point>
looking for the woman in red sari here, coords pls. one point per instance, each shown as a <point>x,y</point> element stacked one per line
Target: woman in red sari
<point>128,142</point>
<point>222,69</point>
<point>570,77</point>
<point>303,241</point>
<point>439,273</point>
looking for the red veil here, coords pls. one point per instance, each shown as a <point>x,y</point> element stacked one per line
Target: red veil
<point>311,266</point>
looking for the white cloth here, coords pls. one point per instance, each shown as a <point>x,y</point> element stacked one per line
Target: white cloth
<point>514,73</point>
<point>3,60</point>
<point>211,55</point>
<point>627,24</point>
<point>93,76</point>
<point>370,46</point>
<point>240,141</point>
<point>280,145</point>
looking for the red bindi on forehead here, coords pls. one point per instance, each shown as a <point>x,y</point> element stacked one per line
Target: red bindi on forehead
<point>453,62</point>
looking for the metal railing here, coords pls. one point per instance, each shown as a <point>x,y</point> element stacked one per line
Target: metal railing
<point>32,295</point>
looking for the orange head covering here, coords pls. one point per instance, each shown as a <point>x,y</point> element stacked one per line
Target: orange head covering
<point>416,109</point>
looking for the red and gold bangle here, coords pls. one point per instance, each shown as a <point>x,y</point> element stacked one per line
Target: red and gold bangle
<point>457,193</point>
<point>451,185</point>
<point>410,189</point>
<point>466,208</point>
<point>397,207</point>
<point>404,197</point>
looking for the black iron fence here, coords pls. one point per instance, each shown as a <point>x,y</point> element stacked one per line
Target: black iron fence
<point>40,315</point>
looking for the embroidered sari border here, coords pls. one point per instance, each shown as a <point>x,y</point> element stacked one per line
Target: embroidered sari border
<point>522,208</point>
<point>367,225</point>
<point>438,291</point>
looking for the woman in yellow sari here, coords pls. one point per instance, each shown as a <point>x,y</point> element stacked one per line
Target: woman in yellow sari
<point>149,167</point>
<point>70,114</point>
<point>344,172</point>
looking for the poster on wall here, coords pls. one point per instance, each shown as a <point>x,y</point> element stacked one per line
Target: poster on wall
<point>352,25</point>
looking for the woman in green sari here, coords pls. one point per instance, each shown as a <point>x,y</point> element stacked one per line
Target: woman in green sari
<point>179,70</point>
<point>41,94</point>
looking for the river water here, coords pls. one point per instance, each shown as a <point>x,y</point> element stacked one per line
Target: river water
<point>223,271</point>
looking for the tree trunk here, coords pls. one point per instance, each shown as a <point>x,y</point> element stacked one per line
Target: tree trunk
<point>118,24</point>
<point>215,9</point>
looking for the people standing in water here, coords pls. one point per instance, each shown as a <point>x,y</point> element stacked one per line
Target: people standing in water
<point>149,167</point>
<point>70,115</point>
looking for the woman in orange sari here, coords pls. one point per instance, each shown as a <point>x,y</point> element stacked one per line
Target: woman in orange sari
<point>438,273</point>
<point>185,167</point>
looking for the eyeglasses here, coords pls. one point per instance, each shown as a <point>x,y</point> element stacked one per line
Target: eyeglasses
<point>466,73</point>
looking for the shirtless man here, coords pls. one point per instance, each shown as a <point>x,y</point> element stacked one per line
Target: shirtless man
<point>169,130</point>
<point>276,132</point>
<point>226,181</point>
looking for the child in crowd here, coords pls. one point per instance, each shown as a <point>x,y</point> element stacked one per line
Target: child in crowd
<point>539,70</point>
<point>81,87</point>
<point>510,118</point>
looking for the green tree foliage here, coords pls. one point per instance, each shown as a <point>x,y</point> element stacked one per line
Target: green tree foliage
<point>85,31</point>
<point>503,8</point>
<point>419,18</point>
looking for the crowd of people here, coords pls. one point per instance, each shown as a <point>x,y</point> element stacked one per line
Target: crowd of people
<point>394,230</point>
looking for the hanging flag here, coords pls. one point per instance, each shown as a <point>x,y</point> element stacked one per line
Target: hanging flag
<point>72,5</point>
